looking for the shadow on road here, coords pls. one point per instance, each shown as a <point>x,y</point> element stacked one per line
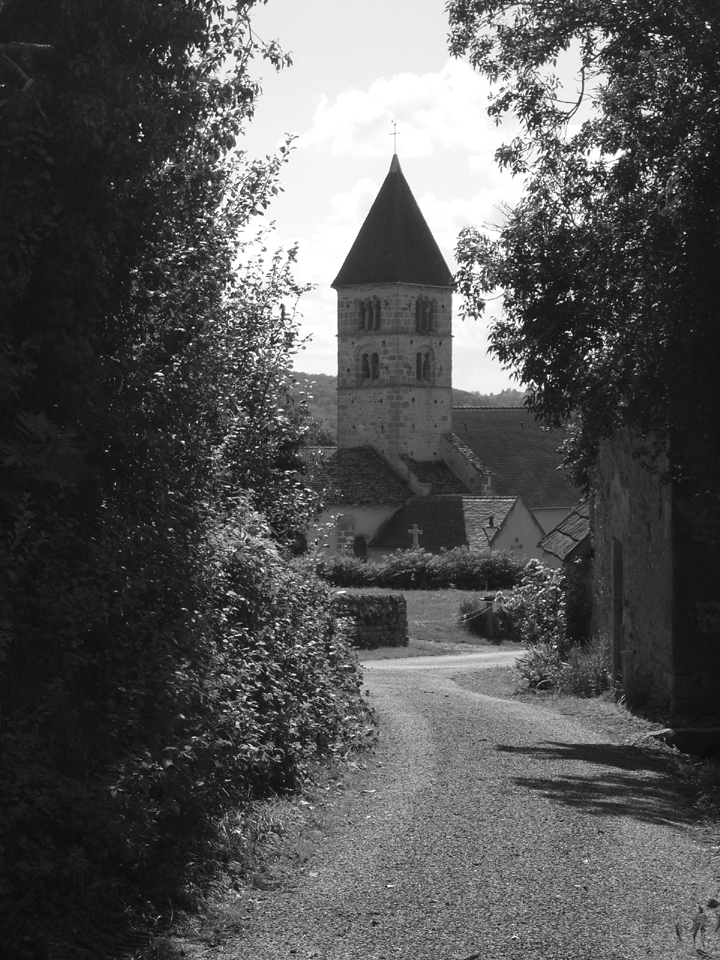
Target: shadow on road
<point>632,783</point>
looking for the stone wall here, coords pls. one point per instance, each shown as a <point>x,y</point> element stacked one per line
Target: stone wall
<point>633,573</point>
<point>696,622</point>
<point>656,591</point>
<point>376,620</point>
<point>388,399</point>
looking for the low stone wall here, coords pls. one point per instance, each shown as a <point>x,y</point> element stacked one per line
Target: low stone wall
<point>376,620</point>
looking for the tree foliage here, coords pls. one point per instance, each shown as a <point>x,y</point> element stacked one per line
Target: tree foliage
<point>609,263</point>
<point>161,661</point>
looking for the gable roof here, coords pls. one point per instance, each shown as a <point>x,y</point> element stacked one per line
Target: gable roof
<point>571,537</point>
<point>394,244</point>
<point>355,475</point>
<point>521,457</point>
<point>445,521</point>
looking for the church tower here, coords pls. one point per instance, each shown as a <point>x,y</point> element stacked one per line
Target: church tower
<point>394,332</point>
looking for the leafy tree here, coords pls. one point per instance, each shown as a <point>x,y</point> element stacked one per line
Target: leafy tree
<point>161,660</point>
<point>609,263</point>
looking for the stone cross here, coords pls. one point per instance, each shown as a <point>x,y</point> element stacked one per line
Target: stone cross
<point>415,532</point>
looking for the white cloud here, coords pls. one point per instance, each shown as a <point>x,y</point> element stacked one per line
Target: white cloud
<point>445,110</point>
<point>353,204</point>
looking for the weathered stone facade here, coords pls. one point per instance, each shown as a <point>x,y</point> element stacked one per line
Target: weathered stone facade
<point>656,586</point>
<point>632,575</point>
<point>395,368</point>
<point>375,620</point>
<point>696,619</point>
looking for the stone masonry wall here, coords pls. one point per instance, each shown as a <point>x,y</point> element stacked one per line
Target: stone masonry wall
<point>381,400</point>
<point>696,531</point>
<point>376,620</point>
<point>633,573</point>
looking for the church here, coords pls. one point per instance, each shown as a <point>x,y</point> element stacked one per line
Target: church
<point>409,470</point>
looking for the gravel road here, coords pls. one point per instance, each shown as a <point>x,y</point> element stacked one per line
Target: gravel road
<point>487,828</point>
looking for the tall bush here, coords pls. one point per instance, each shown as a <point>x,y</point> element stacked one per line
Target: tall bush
<point>537,607</point>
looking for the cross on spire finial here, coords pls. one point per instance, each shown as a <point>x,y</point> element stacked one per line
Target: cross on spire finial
<point>394,135</point>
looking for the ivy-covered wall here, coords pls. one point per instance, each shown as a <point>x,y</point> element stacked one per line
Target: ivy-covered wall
<point>375,620</point>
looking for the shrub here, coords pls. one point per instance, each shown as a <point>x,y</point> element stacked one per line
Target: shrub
<point>478,618</point>
<point>549,612</point>
<point>586,673</point>
<point>539,667</point>
<point>473,616</point>
<point>536,607</point>
<point>461,568</point>
<point>127,729</point>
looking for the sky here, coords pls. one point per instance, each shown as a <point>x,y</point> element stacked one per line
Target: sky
<point>356,68</point>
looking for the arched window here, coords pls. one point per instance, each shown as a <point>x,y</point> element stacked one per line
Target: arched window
<point>374,366</point>
<point>369,314</point>
<point>425,315</point>
<point>364,368</point>
<point>424,367</point>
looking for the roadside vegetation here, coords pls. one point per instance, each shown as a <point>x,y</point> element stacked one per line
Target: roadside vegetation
<point>164,663</point>
<point>548,612</point>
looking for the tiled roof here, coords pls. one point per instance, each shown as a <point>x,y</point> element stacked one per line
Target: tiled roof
<point>355,475</point>
<point>570,538</point>
<point>484,516</point>
<point>394,244</point>
<point>445,522</point>
<point>522,457</point>
<point>438,475</point>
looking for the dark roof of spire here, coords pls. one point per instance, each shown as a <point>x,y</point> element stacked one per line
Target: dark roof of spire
<point>394,244</point>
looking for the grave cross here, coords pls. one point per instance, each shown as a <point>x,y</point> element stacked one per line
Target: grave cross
<point>415,532</point>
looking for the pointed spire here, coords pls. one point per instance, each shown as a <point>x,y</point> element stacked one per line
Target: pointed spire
<point>394,244</point>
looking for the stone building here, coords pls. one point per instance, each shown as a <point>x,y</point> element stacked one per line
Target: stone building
<point>402,450</point>
<point>656,584</point>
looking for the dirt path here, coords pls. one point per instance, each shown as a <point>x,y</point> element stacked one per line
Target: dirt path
<point>485,828</point>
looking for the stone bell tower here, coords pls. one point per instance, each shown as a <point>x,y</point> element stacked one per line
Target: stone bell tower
<point>394,331</point>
